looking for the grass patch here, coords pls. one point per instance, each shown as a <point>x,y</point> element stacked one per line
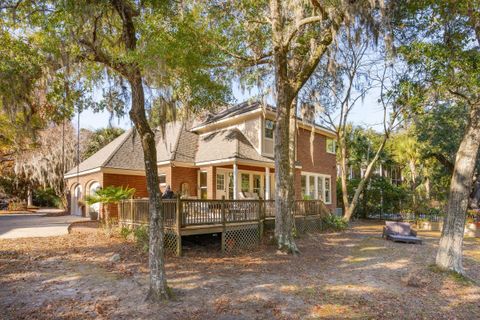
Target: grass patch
<point>455,276</point>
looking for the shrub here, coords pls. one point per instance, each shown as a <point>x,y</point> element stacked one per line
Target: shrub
<point>125,232</point>
<point>379,196</point>
<point>46,198</point>
<point>142,237</point>
<point>333,222</point>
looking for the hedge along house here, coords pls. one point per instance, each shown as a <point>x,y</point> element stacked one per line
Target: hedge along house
<point>230,154</point>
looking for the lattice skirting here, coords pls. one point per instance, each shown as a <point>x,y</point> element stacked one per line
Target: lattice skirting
<point>239,238</point>
<point>171,242</point>
<point>313,224</point>
<point>308,225</point>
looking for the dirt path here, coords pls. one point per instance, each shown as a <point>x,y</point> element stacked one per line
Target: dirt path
<point>354,274</point>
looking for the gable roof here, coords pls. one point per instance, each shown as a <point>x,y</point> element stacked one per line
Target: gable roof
<point>244,108</point>
<point>227,144</point>
<point>232,111</point>
<point>125,152</point>
<point>177,143</point>
<point>102,156</point>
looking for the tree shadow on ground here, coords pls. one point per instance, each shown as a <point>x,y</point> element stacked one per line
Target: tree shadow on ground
<point>352,274</point>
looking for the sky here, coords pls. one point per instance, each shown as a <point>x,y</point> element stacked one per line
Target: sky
<point>367,113</point>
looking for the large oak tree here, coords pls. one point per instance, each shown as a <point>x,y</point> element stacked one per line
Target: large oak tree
<point>441,41</point>
<point>278,45</point>
<point>136,44</point>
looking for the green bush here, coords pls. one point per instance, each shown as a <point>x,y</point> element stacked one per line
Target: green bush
<point>379,196</point>
<point>333,222</point>
<point>125,232</point>
<point>142,237</point>
<point>46,198</point>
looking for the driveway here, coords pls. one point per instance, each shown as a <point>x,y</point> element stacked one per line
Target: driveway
<point>34,225</point>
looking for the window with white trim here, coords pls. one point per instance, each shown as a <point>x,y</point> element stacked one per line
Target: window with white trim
<point>331,146</point>
<point>203,184</point>
<point>162,179</point>
<point>257,185</point>
<point>220,181</point>
<point>327,190</point>
<point>269,128</point>
<point>321,188</point>
<point>316,186</point>
<point>311,187</point>
<point>245,182</point>
<point>304,186</point>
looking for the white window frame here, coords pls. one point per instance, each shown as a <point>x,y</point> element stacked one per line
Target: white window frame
<point>200,188</point>
<point>260,189</point>
<point>223,182</point>
<point>249,181</point>
<point>334,146</point>
<point>317,176</point>
<point>162,184</point>
<point>265,129</point>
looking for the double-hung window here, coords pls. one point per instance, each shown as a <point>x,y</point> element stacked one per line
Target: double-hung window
<point>331,146</point>
<point>245,182</point>
<point>162,180</point>
<point>203,185</point>
<point>269,128</point>
<point>221,181</point>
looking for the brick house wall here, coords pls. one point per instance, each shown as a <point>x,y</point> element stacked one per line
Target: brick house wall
<point>85,181</point>
<point>108,179</point>
<point>323,162</point>
<point>181,175</point>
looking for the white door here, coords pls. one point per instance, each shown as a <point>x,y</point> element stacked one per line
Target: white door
<point>221,184</point>
<point>76,197</point>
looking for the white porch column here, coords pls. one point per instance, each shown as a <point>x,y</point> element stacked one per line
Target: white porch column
<point>267,183</point>
<point>235,180</point>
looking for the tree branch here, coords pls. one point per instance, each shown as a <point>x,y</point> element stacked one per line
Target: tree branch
<point>300,24</point>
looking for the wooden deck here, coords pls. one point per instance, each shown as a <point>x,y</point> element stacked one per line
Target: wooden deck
<point>211,214</point>
<point>239,221</point>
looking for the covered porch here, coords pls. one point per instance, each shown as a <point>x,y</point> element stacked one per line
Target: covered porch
<point>236,180</point>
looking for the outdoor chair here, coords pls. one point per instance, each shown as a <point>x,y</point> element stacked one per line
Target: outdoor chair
<point>400,232</point>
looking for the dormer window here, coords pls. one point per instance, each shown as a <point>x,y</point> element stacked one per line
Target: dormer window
<point>269,128</point>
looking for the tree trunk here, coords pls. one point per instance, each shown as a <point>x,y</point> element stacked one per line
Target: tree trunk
<point>363,183</point>
<point>29,197</point>
<point>343,171</point>
<point>283,177</point>
<point>158,282</point>
<point>285,96</point>
<point>449,254</point>
<point>413,182</point>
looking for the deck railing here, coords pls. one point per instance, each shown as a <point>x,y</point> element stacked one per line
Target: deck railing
<point>212,212</point>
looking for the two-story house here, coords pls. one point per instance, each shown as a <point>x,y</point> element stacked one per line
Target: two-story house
<point>227,155</point>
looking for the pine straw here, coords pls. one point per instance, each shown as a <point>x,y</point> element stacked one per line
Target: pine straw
<point>354,274</point>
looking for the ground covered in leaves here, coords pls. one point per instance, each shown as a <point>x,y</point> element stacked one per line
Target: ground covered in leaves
<point>352,274</point>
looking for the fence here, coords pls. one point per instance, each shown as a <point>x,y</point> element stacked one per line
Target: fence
<point>241,222</point>
<point>407,216</point>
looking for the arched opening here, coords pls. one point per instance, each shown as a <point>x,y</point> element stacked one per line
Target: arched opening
<point>77,200</point>
<point>94,209</point>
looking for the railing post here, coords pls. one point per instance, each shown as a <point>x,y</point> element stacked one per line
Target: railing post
<point>224,222</point>
<point>261,217</point>
<point>178,225</point>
